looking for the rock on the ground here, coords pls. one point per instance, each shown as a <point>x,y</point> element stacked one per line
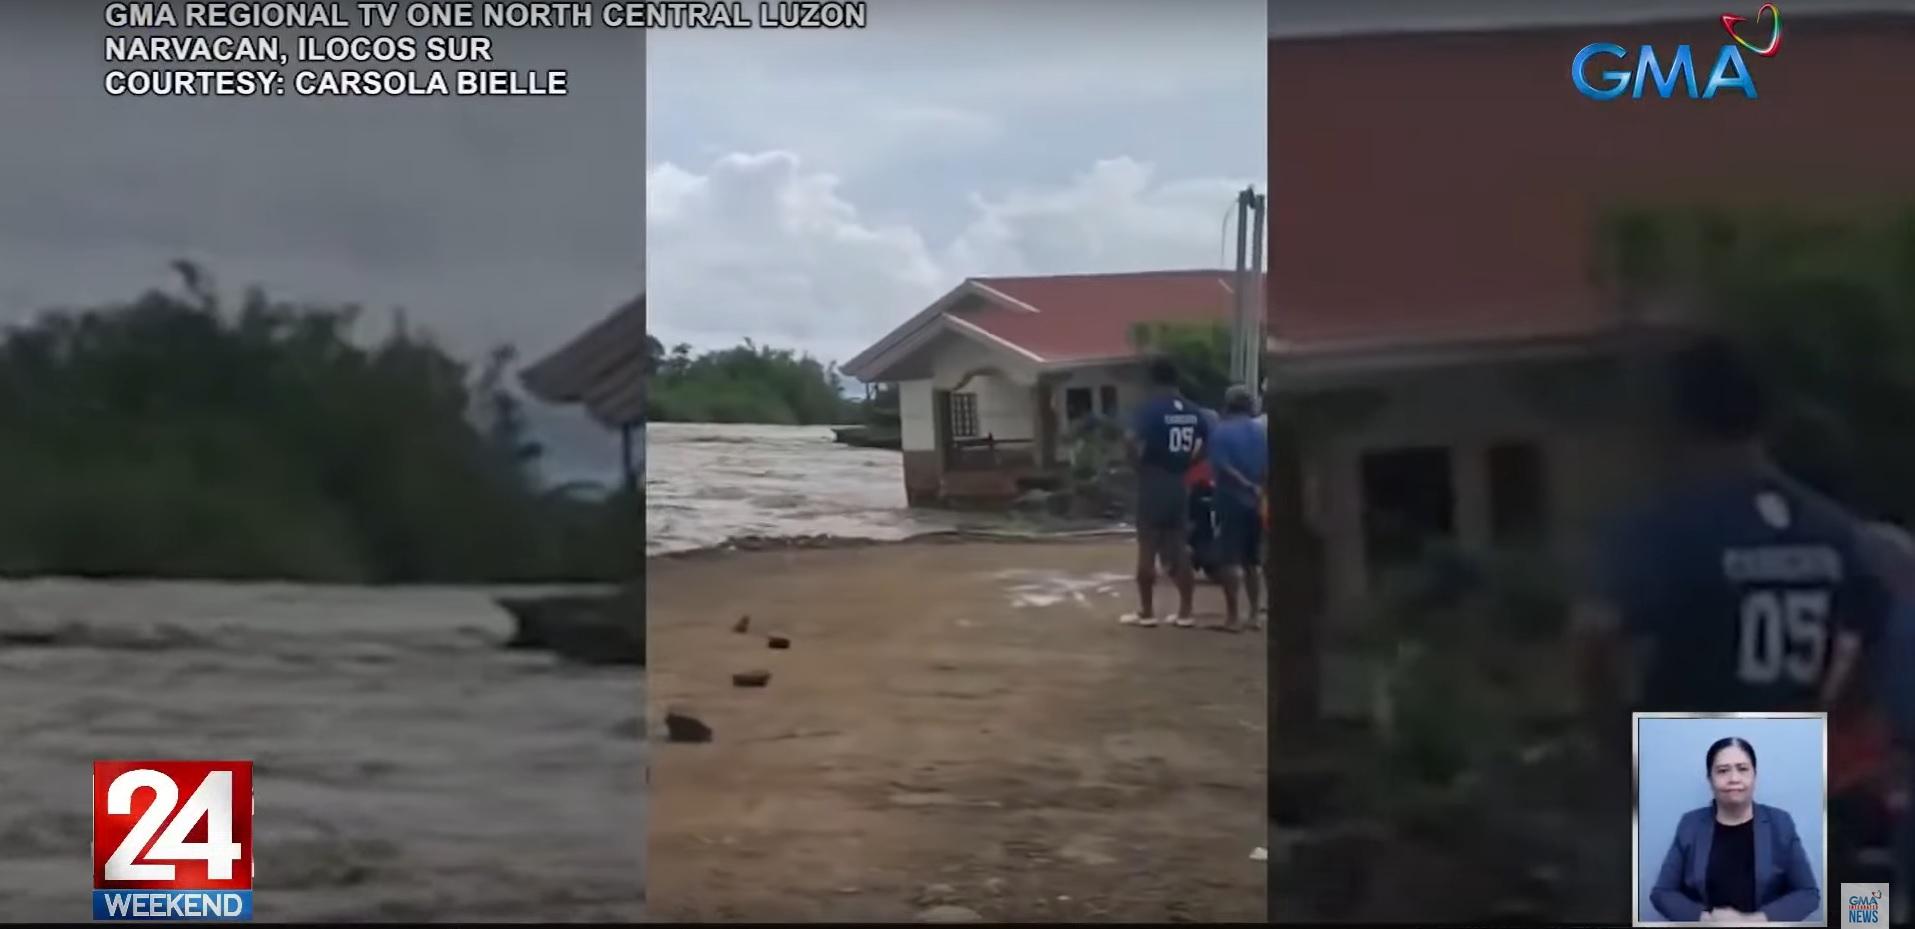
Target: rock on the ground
<point>680,727</point>
<point>751,678</point>
<point>743,624</point>
<point>778,641</point>
<point>949,914</point>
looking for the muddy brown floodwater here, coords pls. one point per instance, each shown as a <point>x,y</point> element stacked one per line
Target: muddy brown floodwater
<point>406,766</point>
<point>960,725</point>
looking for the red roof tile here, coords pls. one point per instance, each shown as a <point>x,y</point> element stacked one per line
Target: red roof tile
<point>1085,317</point>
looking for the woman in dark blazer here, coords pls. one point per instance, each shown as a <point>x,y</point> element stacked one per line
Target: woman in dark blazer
<point>1735,860</point>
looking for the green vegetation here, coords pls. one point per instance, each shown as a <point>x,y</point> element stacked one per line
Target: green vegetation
<point>1201,352</point>
<point>752,383</point>
<point>745,384</point>
<point>1827,304</point>
<point>171,436</point>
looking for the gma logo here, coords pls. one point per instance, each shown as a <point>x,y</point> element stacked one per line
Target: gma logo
<point>1731,72</point>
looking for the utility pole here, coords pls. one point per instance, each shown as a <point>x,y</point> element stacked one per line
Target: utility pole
<point>1240,285</point>
<point>1246,320</point>
<point>1254,310</point>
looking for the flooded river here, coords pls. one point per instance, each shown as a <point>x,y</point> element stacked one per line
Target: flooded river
<point>406,766</point>
<point>707,483</point>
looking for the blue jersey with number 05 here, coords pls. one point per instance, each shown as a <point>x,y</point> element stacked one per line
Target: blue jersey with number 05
<point>1742,584</point>
<point>1168,431</point>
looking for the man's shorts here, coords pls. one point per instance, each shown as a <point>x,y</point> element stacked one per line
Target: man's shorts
<point>1239,532</point>
<point>1163,503</point>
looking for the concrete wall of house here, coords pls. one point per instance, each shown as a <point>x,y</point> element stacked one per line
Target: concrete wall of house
<point>1006,406</point>
<point>917,417</point>
<point>917,422</point>
<point>1587,467</point>
<point>1128,378</point>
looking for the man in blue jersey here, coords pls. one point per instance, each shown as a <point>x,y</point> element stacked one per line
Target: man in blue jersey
<point>1167,435</point>
<point>1739,589</point>
<point>1240,458</point>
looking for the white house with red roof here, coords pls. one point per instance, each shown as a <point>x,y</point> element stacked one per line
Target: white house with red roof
<point>996,371</point>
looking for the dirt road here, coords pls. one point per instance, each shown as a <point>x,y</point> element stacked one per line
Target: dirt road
<point>955,724</point>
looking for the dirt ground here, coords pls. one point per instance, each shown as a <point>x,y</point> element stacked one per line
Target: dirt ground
<point>955,724</point>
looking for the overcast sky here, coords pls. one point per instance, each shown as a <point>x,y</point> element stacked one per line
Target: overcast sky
<point>490,219</point>
<point>812,190</point>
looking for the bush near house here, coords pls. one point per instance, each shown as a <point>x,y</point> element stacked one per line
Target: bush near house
<point>1100,479</point>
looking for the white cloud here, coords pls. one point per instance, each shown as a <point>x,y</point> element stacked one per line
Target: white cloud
<point>969,80</point>
<point>814,190</point>
<point>1112,217</point>
<point>761,245</point>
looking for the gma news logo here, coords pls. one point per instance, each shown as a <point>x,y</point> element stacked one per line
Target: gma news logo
<point>1729,72</point>
<point>173,840</point>
<point>1865,904</point>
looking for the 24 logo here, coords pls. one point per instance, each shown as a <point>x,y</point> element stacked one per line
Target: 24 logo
<point>173,825</point>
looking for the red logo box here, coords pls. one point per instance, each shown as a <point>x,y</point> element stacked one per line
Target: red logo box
<point>172,825</point>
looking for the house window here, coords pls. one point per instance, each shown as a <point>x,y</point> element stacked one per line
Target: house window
<point>964,416</point>
<point>1107,399</point>
<point>1518,495</point>
<point>1077,403</point>
<point>1409,501</point>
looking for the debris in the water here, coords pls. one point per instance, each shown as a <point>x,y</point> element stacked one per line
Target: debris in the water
<point>744,623</point>
<point>682,728</point>
<point>778,641</point>
<point>751,678</point>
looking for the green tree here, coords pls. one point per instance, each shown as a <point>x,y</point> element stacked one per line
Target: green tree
<point>173,436</point>
<point>1201,352</point>
<point>748,383</point>
<point>1827,305</point>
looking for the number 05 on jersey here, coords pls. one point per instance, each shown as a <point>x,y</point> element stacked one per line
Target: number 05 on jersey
<point>172,840</point>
